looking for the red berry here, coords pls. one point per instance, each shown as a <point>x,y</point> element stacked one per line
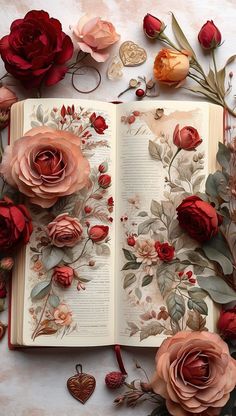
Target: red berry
<point>87,209</point>
<point>131,241</point>
<point>192,280</point>
<point>114,380</point>
<point>131,119</point>
<point>189,274</point>
<point>140,93</point>
<point>136,113</point>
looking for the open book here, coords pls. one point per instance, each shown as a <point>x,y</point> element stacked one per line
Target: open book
<point>134,279</point>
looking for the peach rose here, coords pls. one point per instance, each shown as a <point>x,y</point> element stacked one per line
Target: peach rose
<point>62,315</point>
<point>93,35</point>
<point>171,67</point>
<point>7,98</point>
<point>194,373</point>
<point>45,164</point>
<point>64,231</point>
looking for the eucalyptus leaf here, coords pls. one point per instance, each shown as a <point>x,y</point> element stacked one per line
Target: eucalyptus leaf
<point>217,288</point>
<point>138,293</point>
<point>51,256</point>
<point>219,243</point>
<point>215,255</point>
<point>176,306</point>
<point>54,300</point>
<point>198,305</point>
<point>197,183</point>
<point>180,36</point>
<point>144,227</point>
<point>40,290</point>
<point>142,214</point>
<point>129,255</point>
<point>129,279</point>
<point>147,280</point>
<point>223,156</point>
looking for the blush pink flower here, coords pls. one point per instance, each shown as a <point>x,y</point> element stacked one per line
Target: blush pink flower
<point>65,231</point>
<point>145,251</point>
<point>194,373</point>
<point>45,164</point>
<point>93,35</point>
<point>62,315</point>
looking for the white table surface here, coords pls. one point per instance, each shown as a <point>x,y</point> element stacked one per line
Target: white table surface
<point>33,381</point>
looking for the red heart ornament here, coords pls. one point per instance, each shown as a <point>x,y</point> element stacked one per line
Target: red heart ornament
<point>81,386</point>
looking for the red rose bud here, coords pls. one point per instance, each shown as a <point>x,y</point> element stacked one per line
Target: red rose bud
<point>87,209</point>
<point>110,201</point>
<point>198,218</point>
<point>98,123</point>
<point>209,36</point>
<point>131,240</point>
<point>98,233</point>
<point>6,264</point>
<point>165,251</point>
<point>227,323</point>
<point>152,26</point>
<point>103,167</point>
<point>104,181</point>
<point>187,138</point>
<point>114,380</point>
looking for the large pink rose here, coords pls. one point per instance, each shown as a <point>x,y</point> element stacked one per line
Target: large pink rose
<point>194,373</point>
<point>45,164</point>
<point>93,35</point>
<point>65,231</point>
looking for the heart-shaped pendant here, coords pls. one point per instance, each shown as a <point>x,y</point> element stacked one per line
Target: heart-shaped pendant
<point>131,54</point>
<point>81,386</point>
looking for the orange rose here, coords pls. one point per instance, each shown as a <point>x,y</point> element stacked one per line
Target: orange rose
<point>45,164</point>
<point>171,67</point>
<point>194,373</point>
<point>93,35</point>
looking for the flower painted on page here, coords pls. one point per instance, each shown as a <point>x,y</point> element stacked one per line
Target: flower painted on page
<point>165,251</point>
<point>194,373</point>
<point>98,123</point>
<point>186,138</point>
<point>98,233</point>
<point>171,67</point>
<point>62,315</point>
<point>104,181</point>
<point>63,275</point>
<point>46,164</point>
<point>64,231</point>
<point>145,252</point>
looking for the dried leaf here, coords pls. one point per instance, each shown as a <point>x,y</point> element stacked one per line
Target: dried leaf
<point>180,36</point>
<point>151,329</point>
<point>155,150</point>
<point>195,321</point>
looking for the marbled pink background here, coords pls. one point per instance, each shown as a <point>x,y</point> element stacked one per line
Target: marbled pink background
<point>33,382</point>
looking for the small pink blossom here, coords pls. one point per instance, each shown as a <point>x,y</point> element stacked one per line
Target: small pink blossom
<point>62,315</point>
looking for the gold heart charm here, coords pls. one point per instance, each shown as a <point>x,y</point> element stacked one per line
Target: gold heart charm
<point>81,385</point>
<point>131,54</point>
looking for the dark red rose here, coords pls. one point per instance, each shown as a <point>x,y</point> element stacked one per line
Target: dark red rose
<point>104,181</point>
<point>209,36</point>
<point>15,225</point>
<point>227,323</point>
<point>98,233</point>
<point>187,138</point>
<point>63,275</point>
<point>198,218</point>
<point>98,123</point>
<point>165,251</point>
<point>36,50</point>
<point>152,26</point>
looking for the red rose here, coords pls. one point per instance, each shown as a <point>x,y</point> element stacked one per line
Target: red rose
<point>98,123</point>
<point>152,26</point>
<point>36,50</point>
<point>131,240</point>
<point>187,138</point>
<point>227,323</point>
<point>98,233</point>
<point>209,36</point>
<point>15,225</point>
<point>104,181</point>
<point>198,218</point>
<point>63,275</point>
<point>165,251</point>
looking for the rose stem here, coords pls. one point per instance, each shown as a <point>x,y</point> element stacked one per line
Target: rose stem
<point>81,254</point>
<point>171,162</point>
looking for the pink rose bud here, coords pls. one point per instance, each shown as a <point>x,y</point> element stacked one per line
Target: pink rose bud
<point>152,26</point>
<point>187,138</point>
<point>98,233</point>
<point>103,167</point>
<point>209,36</point>
<point>104,181</point>
<point>6,263</point>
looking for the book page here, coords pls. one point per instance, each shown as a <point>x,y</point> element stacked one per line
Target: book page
<point>81,313</point>
<point>156,287</point>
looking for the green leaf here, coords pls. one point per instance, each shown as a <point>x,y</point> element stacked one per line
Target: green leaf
<point>217,185</point>
<point>215,255</point>
<point>219,243</point>
<point>131,265</point>
<point>195,321</point>
<point>180,36</point>
<point>197,183</point>
<point>156,209</point>
<point>147,280</point>
<point>138,293</point>
<point>40,290</point>
<point>176,306</point>
<point>144,227</point>
<point>223,156</point>
<point>51,256</point>
<point>198,305</point>
<point>39,113</point>
<point>217,288</point>
<point>192,257</point>
<point>54,300</point>
<point>129,279</point>
<point>175,230</point>
<point>197,293</point>
<point>155,150</point>
<point>151,329</point>
<point>142,214</point>
<point>129,255</point>
<point>165,280</point>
